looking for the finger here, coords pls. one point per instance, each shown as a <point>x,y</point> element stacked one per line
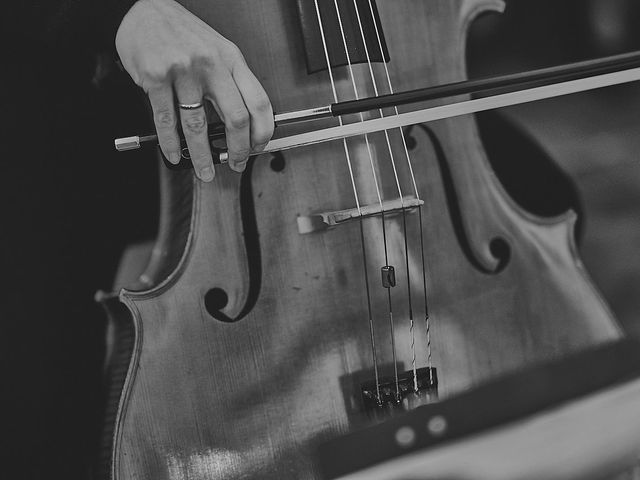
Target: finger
<point>165,119</point>
<point>258,105</point>
<point>194,126</point>
<point>231,108</point>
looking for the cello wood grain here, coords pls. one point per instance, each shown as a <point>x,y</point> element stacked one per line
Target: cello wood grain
<point>251,398</point>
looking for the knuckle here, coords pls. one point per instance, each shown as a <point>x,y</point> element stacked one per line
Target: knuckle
<point>165,118</point>
<point>153,70</point>
<point>234,53</point>
<point>151,78</point>
<point>180,64</point>
<point>263,105</point>
<point>206,58</point>
<point>239,154</point>
<point>170,145</point>
<point>157,75</point>
<point>239,120</point>
<point>233,57</point>
<point>195,124</point>
<point>200,160</point>
<point>261,139</point>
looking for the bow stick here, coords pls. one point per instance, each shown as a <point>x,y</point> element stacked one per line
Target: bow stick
<point>495,92</point>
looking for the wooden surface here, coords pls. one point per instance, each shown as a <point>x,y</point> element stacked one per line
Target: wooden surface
<point>250,399</point>
<point>594,138</point>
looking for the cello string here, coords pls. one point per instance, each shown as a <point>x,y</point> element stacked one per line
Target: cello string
<point>388,77</point>
<point>417,194</point>
<point>402,205</point>
<point>373,170</point>
<point>355,193</point>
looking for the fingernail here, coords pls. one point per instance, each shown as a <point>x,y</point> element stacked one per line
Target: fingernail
<point>239,165</point>
<point>174,158</point>
<point>206,174</point>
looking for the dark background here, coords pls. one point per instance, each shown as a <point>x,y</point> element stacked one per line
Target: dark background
<point>70,205</point>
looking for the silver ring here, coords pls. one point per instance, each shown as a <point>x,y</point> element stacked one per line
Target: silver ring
<point>190,106</point>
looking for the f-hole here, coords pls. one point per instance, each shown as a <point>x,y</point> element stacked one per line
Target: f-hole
<point>216,299</point>
<point>313,47</point>
<point>500,249</point>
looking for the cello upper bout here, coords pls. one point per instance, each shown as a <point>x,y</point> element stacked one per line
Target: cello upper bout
<point>470,9</point>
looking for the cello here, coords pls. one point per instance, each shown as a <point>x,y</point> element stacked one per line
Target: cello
<point>337,284</point>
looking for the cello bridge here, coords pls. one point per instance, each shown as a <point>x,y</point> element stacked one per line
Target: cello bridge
<point>325,220</point>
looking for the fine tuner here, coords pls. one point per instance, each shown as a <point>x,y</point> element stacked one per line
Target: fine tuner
<point>493,92</point>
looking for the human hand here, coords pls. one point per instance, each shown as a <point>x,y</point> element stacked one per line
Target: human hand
<point>177,59</point>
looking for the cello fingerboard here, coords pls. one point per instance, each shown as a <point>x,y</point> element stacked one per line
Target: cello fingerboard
<point>334,22</point>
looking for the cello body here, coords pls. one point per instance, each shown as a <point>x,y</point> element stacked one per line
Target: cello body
<point>251,337</point>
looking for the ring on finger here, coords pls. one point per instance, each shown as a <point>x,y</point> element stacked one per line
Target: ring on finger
<point>190,106</point>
